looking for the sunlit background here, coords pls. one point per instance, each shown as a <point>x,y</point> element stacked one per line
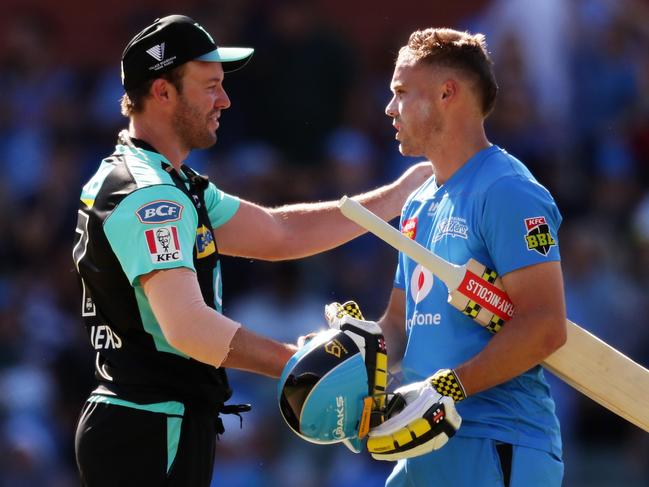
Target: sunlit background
<point>307,123</point>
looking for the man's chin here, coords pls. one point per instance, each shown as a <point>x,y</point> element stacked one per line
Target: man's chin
<point>407,152</point>
<point>206,142</point>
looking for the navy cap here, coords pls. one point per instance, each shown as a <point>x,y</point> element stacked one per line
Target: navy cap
<point>170,42</point>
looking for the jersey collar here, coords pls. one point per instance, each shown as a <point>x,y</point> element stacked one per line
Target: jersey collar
<point>468,166</point>
<point>140,149</point>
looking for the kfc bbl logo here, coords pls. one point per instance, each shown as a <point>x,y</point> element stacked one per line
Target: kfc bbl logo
<point>538,236</point>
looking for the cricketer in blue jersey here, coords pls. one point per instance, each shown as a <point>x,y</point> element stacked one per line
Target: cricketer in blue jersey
<point>481,203</point>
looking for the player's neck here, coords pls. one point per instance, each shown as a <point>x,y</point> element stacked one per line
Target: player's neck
<point>454,149</point>
<point>161,137</point>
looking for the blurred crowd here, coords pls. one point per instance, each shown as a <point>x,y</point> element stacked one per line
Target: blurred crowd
<point>307,123</point>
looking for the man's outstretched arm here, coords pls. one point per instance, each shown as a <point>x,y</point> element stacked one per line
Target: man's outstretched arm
<point>300,230</point>
<point>197,330</point>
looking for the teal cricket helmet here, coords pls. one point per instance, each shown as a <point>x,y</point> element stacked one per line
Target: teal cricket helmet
<point>323,390</point>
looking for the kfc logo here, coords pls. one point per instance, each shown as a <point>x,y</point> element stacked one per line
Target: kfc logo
<point>163,244</point>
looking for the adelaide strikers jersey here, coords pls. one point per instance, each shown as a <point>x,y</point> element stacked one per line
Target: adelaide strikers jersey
<point>138,215</point>
<point>494,211</point>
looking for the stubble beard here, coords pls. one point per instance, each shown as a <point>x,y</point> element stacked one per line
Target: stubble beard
<point>427,134</point>
<point>425,141</point>
<point>191,126</point>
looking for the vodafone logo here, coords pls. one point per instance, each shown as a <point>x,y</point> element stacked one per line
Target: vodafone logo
<point>421,282</point>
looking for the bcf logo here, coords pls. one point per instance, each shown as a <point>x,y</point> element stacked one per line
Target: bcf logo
<point>160,211</point>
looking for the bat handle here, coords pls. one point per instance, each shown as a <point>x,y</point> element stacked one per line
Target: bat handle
<point>450,274</point>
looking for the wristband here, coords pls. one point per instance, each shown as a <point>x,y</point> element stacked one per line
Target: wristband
<point>447,383</point>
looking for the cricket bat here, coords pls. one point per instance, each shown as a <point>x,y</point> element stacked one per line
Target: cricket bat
<point>585,362</point>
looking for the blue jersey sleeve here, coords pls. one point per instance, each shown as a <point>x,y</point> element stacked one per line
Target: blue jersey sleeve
<point>520,221</point>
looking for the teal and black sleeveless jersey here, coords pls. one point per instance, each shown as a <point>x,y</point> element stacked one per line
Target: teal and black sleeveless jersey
<point>138,215</point>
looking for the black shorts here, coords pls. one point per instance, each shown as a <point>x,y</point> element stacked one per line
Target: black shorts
<point>119,443</point>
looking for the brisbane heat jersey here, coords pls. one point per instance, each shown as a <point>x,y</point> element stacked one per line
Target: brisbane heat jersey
<point>138,215</point>
<point>494,211</point>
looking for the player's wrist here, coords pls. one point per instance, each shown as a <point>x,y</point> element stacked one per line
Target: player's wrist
<point>447,383</point>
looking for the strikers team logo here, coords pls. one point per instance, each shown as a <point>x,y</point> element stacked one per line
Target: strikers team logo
<point>160,211</point>
<point>409,228</point>
<point>421,282</point>
<point>454,226</point>
<point>163,244</point>
<point>538,237</point>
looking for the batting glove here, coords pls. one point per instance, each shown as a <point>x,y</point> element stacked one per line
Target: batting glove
<point>425,420</point>
<point>347,317</point>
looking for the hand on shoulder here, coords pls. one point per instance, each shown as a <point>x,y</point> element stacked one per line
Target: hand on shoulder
<point>415,176</point>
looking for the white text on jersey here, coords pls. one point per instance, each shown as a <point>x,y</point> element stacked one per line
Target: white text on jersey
<point>101,337</point>
<point>423,319</point>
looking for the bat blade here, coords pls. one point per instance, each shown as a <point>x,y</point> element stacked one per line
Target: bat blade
<point>584,362</point>
<point>604,374</point>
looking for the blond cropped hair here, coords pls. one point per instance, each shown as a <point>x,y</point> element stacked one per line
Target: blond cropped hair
<point>458,50</point>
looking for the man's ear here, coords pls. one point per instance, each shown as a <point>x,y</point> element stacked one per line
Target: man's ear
<point>162,91</point>
<point>449,89</point>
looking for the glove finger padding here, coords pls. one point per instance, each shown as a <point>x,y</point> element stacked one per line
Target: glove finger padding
<point>424,425</point>
<point>338,315</point>
<point>336,311</point>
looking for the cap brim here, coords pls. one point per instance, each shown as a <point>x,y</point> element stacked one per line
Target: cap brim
<point>233,57</point>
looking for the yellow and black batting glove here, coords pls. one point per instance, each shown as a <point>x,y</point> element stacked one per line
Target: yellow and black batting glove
<point>426,421</point>
<point>446,382</point>
<point>334,312</point>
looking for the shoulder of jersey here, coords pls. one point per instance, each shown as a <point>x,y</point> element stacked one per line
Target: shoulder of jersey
<point>419,194</point>
<point>145,172</point>
<point>498,167</point>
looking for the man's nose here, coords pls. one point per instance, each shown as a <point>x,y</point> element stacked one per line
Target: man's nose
<point>390,109</point>
<point>222,101</point>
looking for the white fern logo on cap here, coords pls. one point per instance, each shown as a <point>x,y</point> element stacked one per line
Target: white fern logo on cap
<point>157,52</point>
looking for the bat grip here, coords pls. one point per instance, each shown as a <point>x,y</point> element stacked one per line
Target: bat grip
<point>450,274</point>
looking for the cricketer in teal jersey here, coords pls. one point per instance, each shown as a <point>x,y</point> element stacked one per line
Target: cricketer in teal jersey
<point>149,236</point>
<point>481,203</point>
